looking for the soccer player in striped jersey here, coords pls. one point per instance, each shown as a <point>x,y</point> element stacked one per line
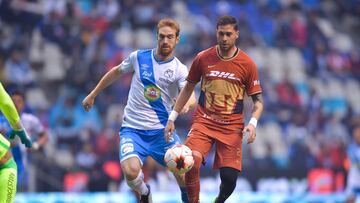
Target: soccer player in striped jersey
<point>155,73</point>
<point>8,169</point>
<point>353,179</point>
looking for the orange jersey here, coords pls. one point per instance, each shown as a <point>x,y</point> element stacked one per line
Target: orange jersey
<point>224,83</point>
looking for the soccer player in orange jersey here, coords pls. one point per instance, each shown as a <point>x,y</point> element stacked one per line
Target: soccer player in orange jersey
<point>226,75</point>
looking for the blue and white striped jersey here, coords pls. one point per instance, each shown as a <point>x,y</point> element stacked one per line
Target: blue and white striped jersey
<point>153,87</point>
<point>353,179</point>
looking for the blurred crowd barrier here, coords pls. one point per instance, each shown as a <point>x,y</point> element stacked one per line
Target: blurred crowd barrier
<point>162,197</point>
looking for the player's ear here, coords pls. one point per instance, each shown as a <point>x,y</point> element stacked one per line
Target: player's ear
<point>177,39</point>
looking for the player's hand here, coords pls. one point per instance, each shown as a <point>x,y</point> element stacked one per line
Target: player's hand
<point>169,131</point>
<point>88,102</point>
<point>252,133</point>
<point>24,138</point>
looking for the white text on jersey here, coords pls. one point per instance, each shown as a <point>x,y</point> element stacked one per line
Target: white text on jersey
<point>219,74</point>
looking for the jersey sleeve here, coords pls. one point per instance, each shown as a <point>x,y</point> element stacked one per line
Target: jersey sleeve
<point>252,82</point>
<point>7,107</point>
<point>37,126</point>
<point>127,65</point>
<point>352,153</point>
<point>195,70</point>
<point>183,73</point>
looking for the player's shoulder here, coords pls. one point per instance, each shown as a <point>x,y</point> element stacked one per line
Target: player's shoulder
<point>142,51</point>
<point>245,57</point>
<point>207,52</point>
<point>178,63</point>
<point>29,117</point>
<point>136,53</point>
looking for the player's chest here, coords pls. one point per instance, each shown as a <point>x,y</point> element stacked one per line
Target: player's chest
<point>29,125</point>
<point>161,75</point>
<point>231,72</point>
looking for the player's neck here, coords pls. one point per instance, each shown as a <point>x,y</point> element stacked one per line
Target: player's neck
<point>227,54</point>
<point>160,57</point>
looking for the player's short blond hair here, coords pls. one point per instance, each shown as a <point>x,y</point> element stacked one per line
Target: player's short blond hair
<point>170,23</point>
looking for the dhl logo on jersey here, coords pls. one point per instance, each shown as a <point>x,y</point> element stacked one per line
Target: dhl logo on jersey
<point>214,73</point>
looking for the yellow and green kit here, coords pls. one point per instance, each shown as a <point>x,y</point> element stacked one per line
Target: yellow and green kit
<point>8,170</point>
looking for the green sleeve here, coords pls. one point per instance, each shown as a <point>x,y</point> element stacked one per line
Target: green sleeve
<point>7,107</point>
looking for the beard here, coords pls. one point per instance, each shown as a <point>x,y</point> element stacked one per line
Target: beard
<point>165,51</point>
<point>225,47</point>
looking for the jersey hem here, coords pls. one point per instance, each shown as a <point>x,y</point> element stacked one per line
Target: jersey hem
<point>255,93</point>
<point>191,81</point>
<point>129,156</point>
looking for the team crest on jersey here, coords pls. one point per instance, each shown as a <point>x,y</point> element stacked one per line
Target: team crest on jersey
<point>152,93</point>
<point>168,73</point>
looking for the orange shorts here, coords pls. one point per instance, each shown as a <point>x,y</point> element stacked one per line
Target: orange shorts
<point>228,146</point>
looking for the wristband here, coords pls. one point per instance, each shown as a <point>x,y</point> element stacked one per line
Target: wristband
<point>18,126</point>
<point>173,115</point>
<point>253,121</point>
<point>35,146</point>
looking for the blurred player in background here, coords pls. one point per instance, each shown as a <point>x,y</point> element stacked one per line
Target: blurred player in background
<point>155,73</point>
<point>226,75</point>
<point>36,132</point>
<point>8,169</point>
<point>353,180</point>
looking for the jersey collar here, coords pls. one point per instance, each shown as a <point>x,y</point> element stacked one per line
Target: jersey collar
<point>158,60</point>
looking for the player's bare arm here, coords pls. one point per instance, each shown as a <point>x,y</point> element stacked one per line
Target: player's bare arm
<point>183,99</point>
<point>44,137</point>
<point>190,104</point>
<point>255,115</point>
<point>105,81</point>
<point>258,105</point>
<point>184,96</point>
